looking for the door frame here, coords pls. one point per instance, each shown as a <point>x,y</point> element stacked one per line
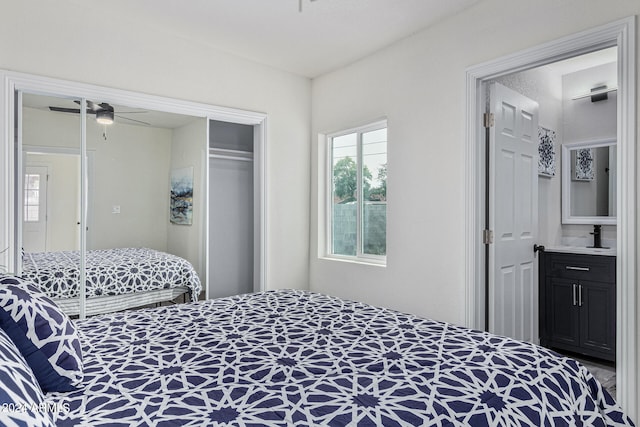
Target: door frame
<point>15,81</point>
<point>619,33</point>
<point>259,124</point>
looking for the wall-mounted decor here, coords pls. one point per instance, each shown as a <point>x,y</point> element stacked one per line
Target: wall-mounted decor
<point>181,209</point>
<point>546,152</point>
<point>584,170</point>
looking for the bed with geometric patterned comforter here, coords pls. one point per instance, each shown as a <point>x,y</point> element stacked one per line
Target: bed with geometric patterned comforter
<point>109,272</point>
<point>284,358</point>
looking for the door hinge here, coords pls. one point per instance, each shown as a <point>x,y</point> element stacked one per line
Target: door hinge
<point>487,237</point>
<point>488,120</point>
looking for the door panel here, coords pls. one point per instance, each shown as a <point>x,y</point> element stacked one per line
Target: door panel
<point>513,207</point>
<point>506,215</point>
<point>562,315</point>
<point>598,328</point>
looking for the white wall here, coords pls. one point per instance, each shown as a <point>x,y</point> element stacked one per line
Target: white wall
<point>419,84</point>
<point>75,40</point>
<point>188,148</point>
<point>586,121</point>
<point>45,129</point>
<point>131,170</point>
<point>63,200</point>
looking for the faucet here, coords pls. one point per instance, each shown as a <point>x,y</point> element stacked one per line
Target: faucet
<point>597,236</point>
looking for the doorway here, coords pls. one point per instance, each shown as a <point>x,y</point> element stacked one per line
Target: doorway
<point>233,217</point>
<point>534,113</point>
<point>620,35</point>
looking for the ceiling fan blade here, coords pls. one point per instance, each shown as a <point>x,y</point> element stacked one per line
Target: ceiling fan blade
<point>68,110</point>
<point>92,107</point>
<point>65,110</point>
<point>133,120</point>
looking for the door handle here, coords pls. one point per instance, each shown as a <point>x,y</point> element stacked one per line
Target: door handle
<point>537,248</point>
<point>580,296</point>
<point>575,294</point>
<point>570,267</point>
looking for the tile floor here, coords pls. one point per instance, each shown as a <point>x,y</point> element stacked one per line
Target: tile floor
<point>605,372</point>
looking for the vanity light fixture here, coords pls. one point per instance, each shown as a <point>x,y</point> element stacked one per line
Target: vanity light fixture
<point>105,116</point>
<point>599,93</point>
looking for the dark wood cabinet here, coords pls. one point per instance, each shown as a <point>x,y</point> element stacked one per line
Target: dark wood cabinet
<point>578,303</point>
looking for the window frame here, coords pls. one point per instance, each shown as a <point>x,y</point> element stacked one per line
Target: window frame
<point>360,256</point>
<point>26,205</point>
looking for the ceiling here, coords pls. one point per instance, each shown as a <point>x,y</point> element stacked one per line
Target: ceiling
<point>321,36</point>
<point>582,62</point>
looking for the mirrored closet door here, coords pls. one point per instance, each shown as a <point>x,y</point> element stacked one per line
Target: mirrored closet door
<point>49,192</point>
<point>94,191</point>
<point>92,173</point>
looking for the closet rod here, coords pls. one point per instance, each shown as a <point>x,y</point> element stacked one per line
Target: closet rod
<point>219,156</point>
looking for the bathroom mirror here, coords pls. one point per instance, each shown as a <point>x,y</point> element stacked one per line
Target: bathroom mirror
<point>589,182</point>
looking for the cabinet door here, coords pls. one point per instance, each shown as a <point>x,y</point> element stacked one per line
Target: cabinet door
<point>598,318</point>
<point>563,321</point>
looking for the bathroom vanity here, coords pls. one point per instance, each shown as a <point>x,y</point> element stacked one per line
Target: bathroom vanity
<point>578,300</point>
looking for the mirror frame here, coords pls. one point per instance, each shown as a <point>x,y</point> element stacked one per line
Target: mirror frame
<point>567,218</point>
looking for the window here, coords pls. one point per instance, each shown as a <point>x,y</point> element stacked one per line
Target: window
<point>31,197</point>
<point>358,199</point>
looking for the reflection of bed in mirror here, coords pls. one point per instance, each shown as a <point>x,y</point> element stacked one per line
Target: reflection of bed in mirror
<point>125,202</point>
<point>116,279</point>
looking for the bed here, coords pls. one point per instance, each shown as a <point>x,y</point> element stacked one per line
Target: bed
<point>116,279</point>
<point>284,358</point>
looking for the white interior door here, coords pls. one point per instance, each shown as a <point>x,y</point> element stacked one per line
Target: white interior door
<point>513,215</point>
<point>34,209</point>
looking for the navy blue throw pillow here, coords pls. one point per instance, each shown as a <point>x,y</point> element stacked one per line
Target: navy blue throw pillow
<point>45,336</point>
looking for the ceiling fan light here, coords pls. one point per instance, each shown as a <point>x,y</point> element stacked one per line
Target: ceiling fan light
<point>104,117</point>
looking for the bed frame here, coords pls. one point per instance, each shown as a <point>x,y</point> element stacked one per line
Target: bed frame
<point>112,303</point>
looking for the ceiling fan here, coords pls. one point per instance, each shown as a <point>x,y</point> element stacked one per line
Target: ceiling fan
<point>104,112</point>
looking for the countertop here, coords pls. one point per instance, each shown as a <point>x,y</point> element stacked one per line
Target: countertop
<point>582,250</point>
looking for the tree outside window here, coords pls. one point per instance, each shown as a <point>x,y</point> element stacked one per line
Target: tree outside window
<point>359,196</point>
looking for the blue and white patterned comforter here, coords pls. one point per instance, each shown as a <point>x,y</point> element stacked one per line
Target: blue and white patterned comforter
<point>285,358</point>
<point>109,272</point>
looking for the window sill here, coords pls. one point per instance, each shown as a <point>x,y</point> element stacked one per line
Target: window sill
<point>354,260</point>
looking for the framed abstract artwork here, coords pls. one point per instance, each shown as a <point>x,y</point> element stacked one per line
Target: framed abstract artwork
<point>584,168</point>
<point>546,152</point>
<point>181,205</point>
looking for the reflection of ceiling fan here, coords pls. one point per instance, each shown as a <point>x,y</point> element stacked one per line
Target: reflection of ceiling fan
<point>104,112</point>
